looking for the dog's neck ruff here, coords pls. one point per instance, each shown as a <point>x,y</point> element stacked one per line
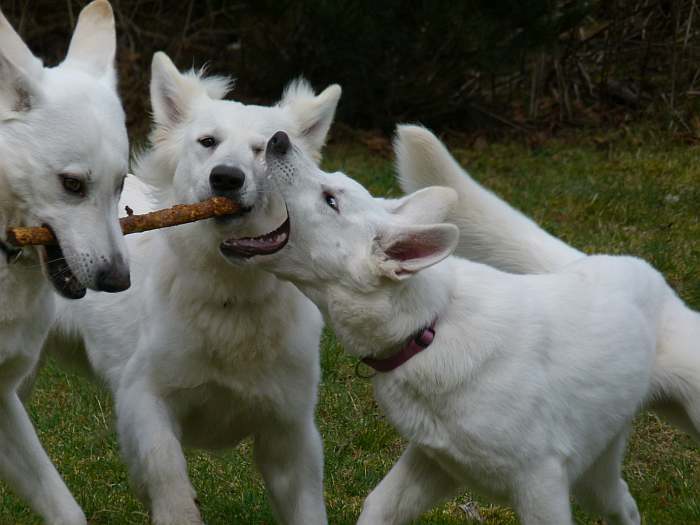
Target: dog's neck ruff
<point>418,342</point>
<point>11,253</point>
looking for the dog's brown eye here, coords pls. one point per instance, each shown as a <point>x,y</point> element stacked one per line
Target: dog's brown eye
<point>207,142</point>
<point>331,200</point>
<point>257,150</point>
<point>73,185</point>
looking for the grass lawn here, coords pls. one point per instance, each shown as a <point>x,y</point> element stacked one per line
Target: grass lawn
<point>625,192</point>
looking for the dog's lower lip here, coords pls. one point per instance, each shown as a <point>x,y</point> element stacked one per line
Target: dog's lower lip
<point>227,218</point>
<point>61,276</point>
<point>263,245</point>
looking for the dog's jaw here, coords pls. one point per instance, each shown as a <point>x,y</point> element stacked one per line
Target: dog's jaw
<point>59,272</point>
<point>266,244</point>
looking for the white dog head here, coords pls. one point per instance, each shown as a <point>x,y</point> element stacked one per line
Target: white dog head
<point>65,152</point>
<point>338,237</point>
<point>204,146</point>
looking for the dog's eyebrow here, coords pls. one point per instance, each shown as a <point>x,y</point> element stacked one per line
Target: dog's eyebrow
<point>330,189</point>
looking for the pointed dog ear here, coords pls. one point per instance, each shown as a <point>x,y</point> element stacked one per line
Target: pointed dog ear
<point>20,72</point>
<point>168,92</point>
<point>13,48</point>
<point>427,206</point>
<point>172,92</point>
<point>402,251</point>
<point>94,42</point>
<point>312,113</point>
<point>18,91</point>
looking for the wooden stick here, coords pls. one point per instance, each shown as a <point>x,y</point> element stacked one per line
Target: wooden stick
<point>179,214</point>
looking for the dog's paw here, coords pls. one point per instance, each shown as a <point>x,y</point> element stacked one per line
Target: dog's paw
<point>177,516</point>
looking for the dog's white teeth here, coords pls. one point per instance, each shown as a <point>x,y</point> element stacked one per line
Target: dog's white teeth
<point>264,244</point>
<point>270,239</point>
<point>264,241</point>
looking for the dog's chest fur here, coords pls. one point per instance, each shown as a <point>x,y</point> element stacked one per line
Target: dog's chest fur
<point>25,314</point>
<point>447,421</point>
<point>247,353</point>
<point>236,317</point>
<point>22,285</point>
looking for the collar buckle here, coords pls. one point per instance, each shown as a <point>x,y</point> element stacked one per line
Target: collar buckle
<point>12,253</point>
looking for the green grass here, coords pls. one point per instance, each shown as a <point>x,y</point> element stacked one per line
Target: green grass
<point>623,192</point>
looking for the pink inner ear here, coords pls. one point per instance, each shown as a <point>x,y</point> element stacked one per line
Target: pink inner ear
<point>412,247</point>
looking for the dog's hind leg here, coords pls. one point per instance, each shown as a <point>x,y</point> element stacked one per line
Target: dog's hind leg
<point>154,455</point>
<point>413,485</point>
<point>602,491</point>
<point>28,470</point>
<point>291,462</point>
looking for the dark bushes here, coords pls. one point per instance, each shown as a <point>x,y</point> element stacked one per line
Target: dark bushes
<point>520,64</point>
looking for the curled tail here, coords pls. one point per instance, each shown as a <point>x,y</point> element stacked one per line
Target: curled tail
<point>491,231</point>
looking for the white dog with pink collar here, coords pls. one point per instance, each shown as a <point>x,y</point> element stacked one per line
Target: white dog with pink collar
<point>527,384</point>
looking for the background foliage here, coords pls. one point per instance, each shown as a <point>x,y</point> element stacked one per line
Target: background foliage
<point>524,65</point>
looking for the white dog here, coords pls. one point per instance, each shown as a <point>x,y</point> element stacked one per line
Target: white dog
<point>64,156</point>
<point>494,233</point>
<point>200,353</point>
<point>520,386</point>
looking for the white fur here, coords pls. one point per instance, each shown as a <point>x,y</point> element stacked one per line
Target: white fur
<point>200,353</point>
<point>530,385</point>
<point>491,231</point>
<point>494,233</point>
<point>62,120</point>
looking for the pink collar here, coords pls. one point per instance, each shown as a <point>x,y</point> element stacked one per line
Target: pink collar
<point>419,342</point>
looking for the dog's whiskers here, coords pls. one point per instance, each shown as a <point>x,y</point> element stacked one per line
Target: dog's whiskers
<point>64,271</point>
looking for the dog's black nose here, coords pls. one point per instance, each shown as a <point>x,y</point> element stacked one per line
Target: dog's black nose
<point>113,277</point>
<point>226,179</point>
<point>279,143</point>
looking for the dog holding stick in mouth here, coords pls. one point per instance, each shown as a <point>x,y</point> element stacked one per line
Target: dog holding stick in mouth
<point>64,157</point>
<point>201,353</point>
<point>522,387</point>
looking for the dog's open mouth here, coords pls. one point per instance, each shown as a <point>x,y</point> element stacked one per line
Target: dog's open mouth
<point>61,276</point>
<point>263,245</point>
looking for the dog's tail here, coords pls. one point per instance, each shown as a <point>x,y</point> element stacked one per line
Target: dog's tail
<point>491,231</point>
<point>675,393</point>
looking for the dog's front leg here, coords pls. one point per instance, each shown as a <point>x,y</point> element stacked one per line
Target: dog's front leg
<point>414,485</point>
<point>150,446</point>
<point>290,459</point>
<point>29,471</point>
<point>542,495</point>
